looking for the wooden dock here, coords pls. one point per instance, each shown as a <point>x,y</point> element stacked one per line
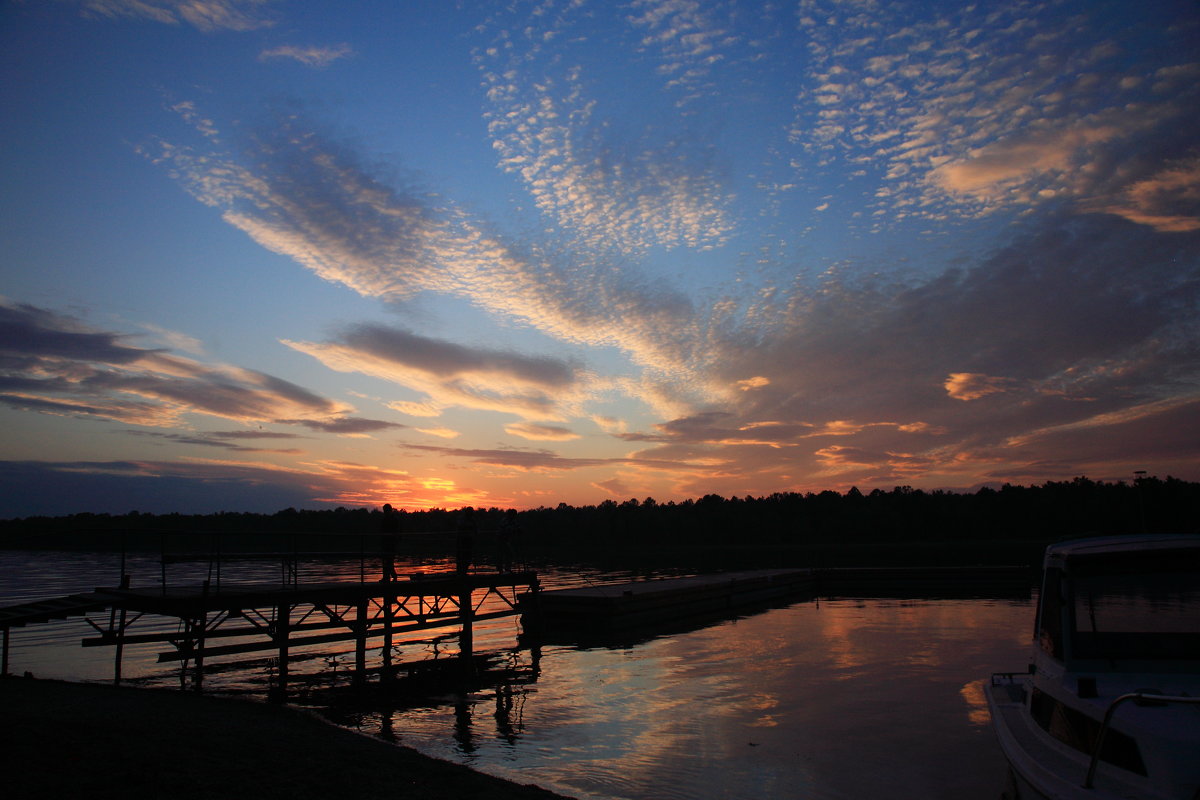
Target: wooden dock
<point>647,603</point>
<point>223,619</point>
<point>237,619</point>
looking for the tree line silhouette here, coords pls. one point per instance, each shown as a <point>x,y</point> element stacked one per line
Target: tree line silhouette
<point>897,525</point>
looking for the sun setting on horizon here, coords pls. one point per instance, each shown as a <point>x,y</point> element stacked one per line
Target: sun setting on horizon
<point>263,254</point>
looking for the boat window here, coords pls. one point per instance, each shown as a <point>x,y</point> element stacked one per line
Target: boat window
<point>1050,604</point>
<point>1078,730</point>
<point>1137,615</point>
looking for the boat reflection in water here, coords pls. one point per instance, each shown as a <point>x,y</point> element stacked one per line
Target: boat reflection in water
<point>1111,705</point>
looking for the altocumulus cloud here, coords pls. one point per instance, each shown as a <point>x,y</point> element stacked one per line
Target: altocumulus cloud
<point>1079,323</point>
<point>1035,316</point>
<point>298,193</point>
<point>1083,319</point>
<point>312,56</point>
<point>204,15</point>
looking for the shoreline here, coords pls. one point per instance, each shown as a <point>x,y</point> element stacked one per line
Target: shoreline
<point>65,739</point>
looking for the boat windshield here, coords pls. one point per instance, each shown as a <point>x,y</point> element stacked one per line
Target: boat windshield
<point>1138,615</point>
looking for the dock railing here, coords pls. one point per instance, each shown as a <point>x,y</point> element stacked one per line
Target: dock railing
<point>372,551</point>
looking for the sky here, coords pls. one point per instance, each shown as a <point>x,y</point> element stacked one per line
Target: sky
<point>270,253</point>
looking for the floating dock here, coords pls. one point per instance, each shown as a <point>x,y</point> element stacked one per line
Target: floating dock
<point>642,604</point>
<point>664,604</point>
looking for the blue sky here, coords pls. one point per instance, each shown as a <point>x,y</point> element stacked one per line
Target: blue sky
<point>264,253</point>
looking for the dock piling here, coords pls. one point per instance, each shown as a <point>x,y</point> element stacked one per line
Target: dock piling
<point>466,638</point>
<point>283,615</point>
<point>360,642</point>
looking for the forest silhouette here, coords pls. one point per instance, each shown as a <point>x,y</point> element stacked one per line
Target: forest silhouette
<point>904,525</point>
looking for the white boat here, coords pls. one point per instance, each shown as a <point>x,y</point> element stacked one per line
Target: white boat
<point>1110,705</point>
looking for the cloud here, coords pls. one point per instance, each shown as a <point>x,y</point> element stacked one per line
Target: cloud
<point>221,440</point>
<point>610,424</point>
<point>873,370</point>
<point>57,364</point>
<point>205,486</point>
<point>451,374</point>
<point>299,194</point>
<point>441,433</point>
<point>30,488</point>
<point>346,426</point>
<point>848,357</point>
<point>546,460</point>
<point>614,487</point>
<point>757,382</point>
<point>204,15</point>
<point>312,56</point>
<point>1074,320</point>
<point>1146,433</point>
<point>426,409</point>
<point>687,39</point>
<point>542,433</point>
<point>656,186</point>
<point>1168,200</point>
<point>972,386</point>
<point>968,114</point>
<point>993,171</point>
<point>524,460</point>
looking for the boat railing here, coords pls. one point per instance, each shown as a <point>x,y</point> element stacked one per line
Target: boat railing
<point>1147,698</point>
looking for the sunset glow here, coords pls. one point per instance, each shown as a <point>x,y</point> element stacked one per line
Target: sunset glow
<point>263,253</point>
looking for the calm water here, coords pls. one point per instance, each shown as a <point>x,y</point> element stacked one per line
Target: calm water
<point>846,698</point>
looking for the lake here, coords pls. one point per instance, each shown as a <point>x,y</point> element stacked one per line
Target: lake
<point>830,698</point>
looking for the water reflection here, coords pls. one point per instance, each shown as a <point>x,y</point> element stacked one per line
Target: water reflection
<point>831,699</point>
<point>755,707</point>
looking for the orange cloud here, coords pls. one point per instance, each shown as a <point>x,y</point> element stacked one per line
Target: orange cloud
<point>540,433</point>
<point>968,386</point>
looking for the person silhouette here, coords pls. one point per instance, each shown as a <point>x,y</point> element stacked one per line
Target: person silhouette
<point>509,528</point>
<point>389,528</point>
<point>464,540</point>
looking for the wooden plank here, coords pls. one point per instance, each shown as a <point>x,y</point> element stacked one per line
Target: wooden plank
<point>53,608</point>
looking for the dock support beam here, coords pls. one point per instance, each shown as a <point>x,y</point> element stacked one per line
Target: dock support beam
<point>388,599</point>
<point>120,655</point>
<point>283,614</point>
<point>466,639</point>
<point>361,623</point>
<point>198,627</point>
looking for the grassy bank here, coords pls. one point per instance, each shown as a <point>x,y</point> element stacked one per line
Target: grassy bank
<point>79,740</point>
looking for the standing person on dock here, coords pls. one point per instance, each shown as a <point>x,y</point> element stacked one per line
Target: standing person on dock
<point>465,540</point>
<point>389,529</point>
<point>509,527</point>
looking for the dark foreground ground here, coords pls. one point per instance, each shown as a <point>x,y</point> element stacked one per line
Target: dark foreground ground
<point>60,740</point>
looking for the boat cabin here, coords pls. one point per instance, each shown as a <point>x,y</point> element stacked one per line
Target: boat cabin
<point>1121,605</point>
